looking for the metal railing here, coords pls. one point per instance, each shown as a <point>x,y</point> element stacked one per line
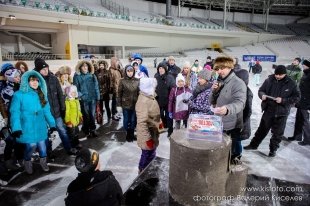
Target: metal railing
<point>28,56</point>
<point>115,8</point>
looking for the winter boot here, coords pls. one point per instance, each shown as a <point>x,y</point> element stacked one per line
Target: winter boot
<point>43,164</point>
<point>9,164</point>
<point>128,136</point>
<point>28,167</point>
<point>132,135</point>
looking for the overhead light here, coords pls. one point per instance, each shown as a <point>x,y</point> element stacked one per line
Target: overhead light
<point>12,16</point>
<point>61,21</point>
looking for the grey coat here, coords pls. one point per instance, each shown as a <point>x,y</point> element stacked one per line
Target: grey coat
<point>233,96</point>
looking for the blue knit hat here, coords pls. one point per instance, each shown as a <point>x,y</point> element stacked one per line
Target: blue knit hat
<point>6,67</point>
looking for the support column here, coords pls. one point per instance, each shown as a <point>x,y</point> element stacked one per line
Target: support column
<point>168,8</point>
<point>0,54</point>
<point>123,52</point>
<point>179,8</point>
<point>267,15</point>
<point>210,11</point>
<point>252,15</point>
<point>225,14</point>
<point>19,44</point>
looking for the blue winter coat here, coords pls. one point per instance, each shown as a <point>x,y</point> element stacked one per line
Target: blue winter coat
<point>87,84</point>
<point>27,114</point>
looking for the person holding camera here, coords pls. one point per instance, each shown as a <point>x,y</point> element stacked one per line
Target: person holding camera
<point>30,115</point>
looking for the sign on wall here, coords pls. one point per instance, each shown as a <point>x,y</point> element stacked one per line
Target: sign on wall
<point>261,58</point>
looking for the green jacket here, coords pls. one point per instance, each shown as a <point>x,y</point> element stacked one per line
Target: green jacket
<point>294,72</point>
<point>73,112</point>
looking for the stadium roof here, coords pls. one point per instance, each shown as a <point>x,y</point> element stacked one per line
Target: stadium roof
<point>295,7</point>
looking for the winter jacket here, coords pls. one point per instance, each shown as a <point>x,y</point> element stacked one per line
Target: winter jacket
<point>233,96</point>
<point>128,91</point>
<point>94,189</point>
<point>116,75</point>
<point>8,91</point>
<point>148,119</point>
<point>304,87</point>
<point>199,103</point>
<point>174,70</point>
<point>141,67</point>
<point>87,84</point>
<point>27,113</point>
<point>104,77</point>
<point>247,112</point>
<point>286,88</point>
<point>294,72</point>
<point>55,95</point>
<point>165,83</point>
<point>3,109</point>
<point>257,69</point>
<point>176,97</point>
<point>73,112</point>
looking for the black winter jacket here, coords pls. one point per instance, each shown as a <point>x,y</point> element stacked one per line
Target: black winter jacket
<point>247,112</point>
<point>257,69</point>
<point>304,87</point>
<point>164,84</point>
<point>94,189</point>
<point>285,88</point>
<point>55,95</point>
<point>174,70</point>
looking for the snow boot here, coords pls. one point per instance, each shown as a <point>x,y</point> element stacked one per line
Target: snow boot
<point>43,164</point>
<point>28,167</point>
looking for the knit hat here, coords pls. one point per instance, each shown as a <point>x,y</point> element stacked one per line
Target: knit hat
<point>180,78</point>
<point>163,65</point>
<point>280,69</point>
<point>86,160</point>
<point>6,67</point>
<point>205,74</point>
<point>39,64</point>
<point>148,85</point>
<point>171,58</point>
<point>11,74</point>
<point>306,62</point>
<point>209,57</point>
<point>69,90</point>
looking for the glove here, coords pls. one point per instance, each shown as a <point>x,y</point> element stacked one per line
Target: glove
<point>53,129</point>
<point>17,133</point>
<point>150,143</point>
<point>63,114</point>
<point>170,115</point>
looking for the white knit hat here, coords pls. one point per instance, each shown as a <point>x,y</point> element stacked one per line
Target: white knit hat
<point>180,78</point>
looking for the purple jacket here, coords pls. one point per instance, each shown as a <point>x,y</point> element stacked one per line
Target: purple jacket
<point>176,105</point>
<point>199,104</point>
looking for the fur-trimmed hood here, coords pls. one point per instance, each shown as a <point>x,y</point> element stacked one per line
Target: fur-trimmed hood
<point>64,70</point>
<point>91,68</point>
<point>104,62</point>
<point>25,87</point>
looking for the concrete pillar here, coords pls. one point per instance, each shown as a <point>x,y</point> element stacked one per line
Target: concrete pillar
<point>123,52</point>
<point>199,167</point>
<point>168,8</point>
<point>225,14</point>
<point>19,44</point>
<point>179,8</point>
<point>0,54</point>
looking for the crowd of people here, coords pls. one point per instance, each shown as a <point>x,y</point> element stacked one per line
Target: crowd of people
<point>36,102</point>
